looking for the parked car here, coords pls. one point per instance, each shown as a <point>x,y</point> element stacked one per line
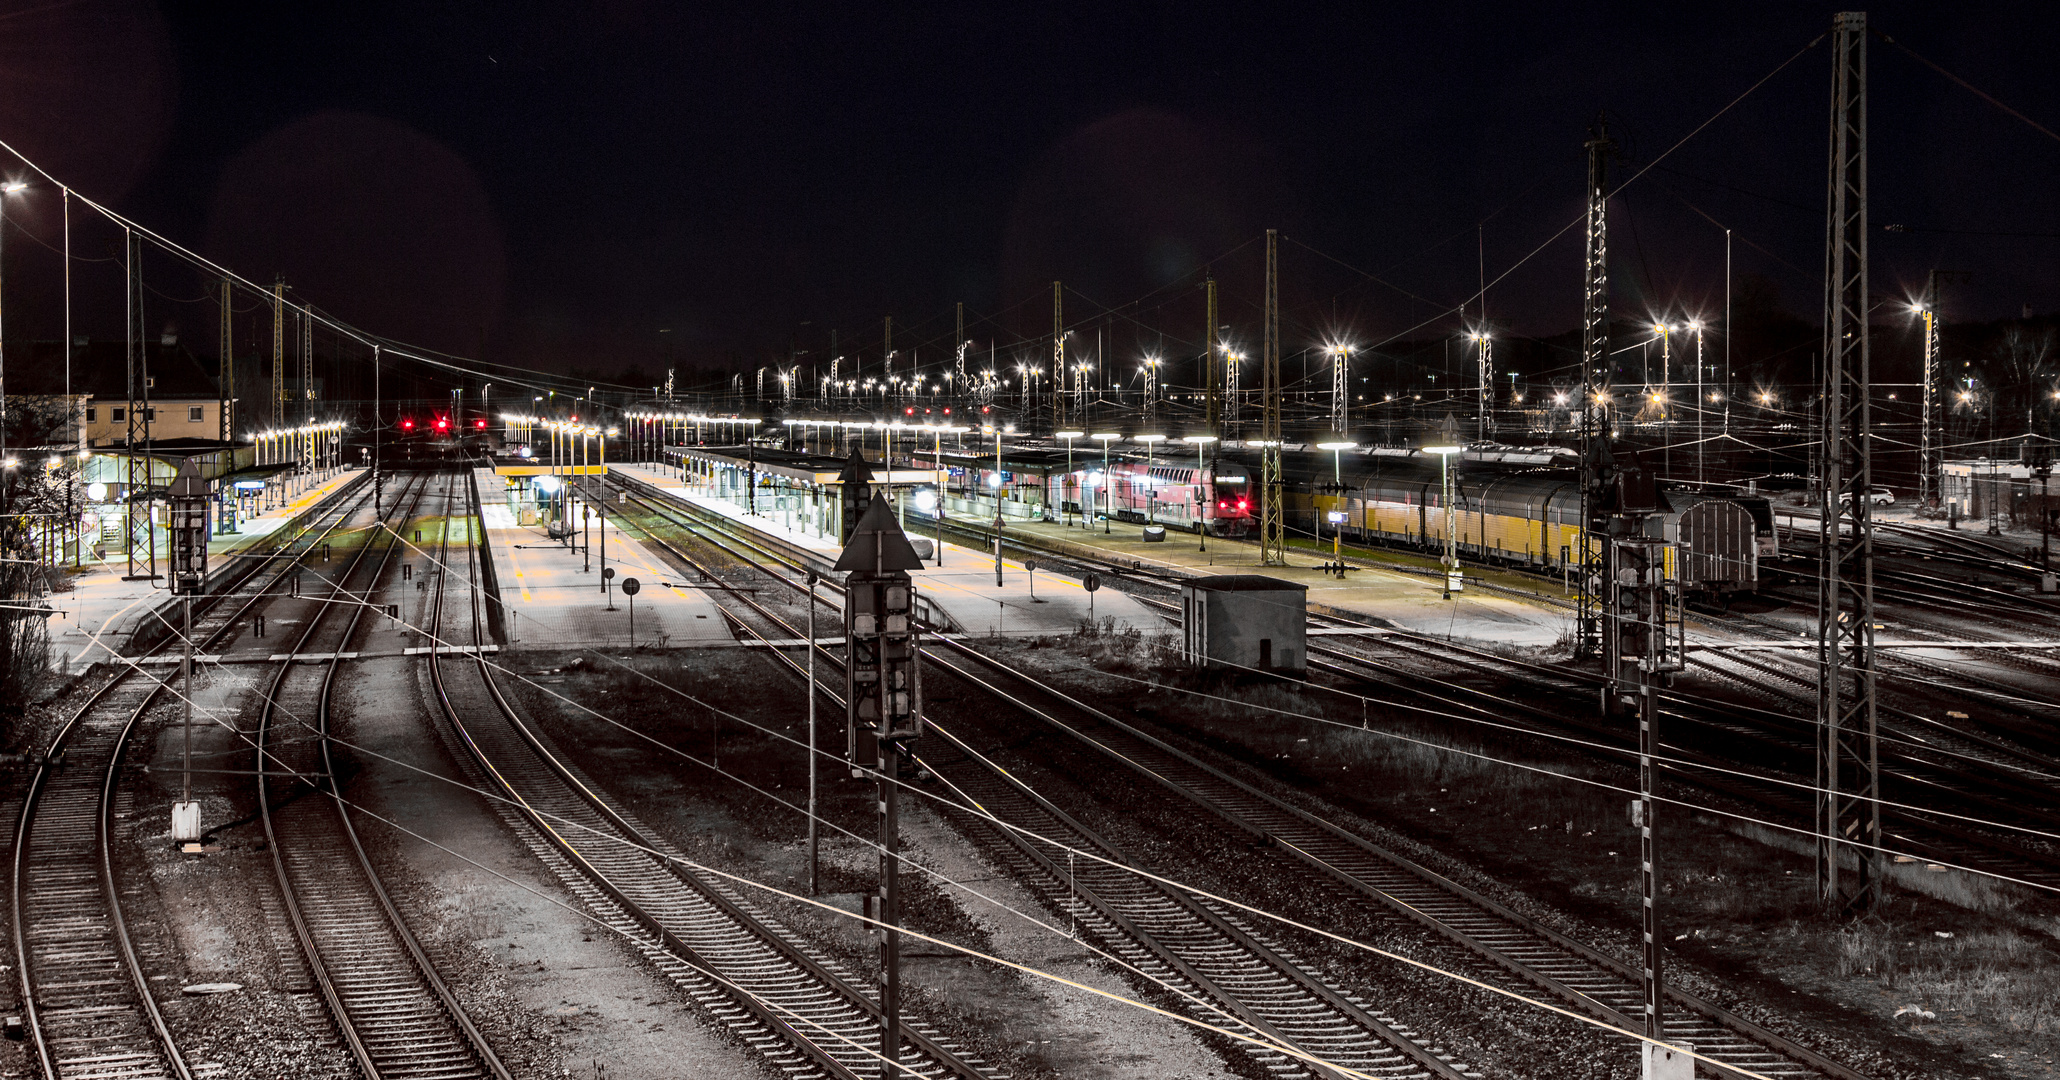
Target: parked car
<point>1875,497</point>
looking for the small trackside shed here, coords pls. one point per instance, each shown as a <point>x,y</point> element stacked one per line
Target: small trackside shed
<point>1245,622</point>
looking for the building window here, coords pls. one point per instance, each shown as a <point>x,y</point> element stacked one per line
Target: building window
<point>195,414</point>
<point>117,415</point>
<point>150,415</point>
<point>149,382</point>
<point>91,414</point>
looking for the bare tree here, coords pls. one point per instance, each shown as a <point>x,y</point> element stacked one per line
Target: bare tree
<point>2021,369</point>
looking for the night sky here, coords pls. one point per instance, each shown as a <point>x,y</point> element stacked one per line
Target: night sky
<point>556,185</point>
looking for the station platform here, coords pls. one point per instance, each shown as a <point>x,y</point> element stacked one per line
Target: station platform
<point>1409,601</point>
<point>553,600</point>
<point>96,617</point>
<point>1025,604</point>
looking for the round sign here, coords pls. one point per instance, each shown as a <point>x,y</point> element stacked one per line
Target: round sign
<point>608,573</point>
<point>1030,564</point>
<point>630,586</point>
<point>1091,582</point>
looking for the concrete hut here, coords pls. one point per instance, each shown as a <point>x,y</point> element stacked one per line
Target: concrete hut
<point>1245,622</point>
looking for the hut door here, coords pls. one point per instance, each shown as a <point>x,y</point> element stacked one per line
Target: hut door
<point>1266,654</point>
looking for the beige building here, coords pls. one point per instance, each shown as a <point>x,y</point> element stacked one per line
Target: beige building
<point>107,422</point>
<point>184,402</point>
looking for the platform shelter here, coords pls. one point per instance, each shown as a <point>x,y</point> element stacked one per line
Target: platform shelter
<point>800,491</point>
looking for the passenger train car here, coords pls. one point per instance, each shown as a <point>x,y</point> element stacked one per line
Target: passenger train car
<point>1220,493</point>
<point>1512,506</point>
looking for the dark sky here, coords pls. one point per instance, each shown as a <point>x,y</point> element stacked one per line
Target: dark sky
<point>558,184</point>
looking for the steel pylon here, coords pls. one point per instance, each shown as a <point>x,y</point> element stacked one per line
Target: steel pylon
<point>1272,524</point>
<point>1848,762</point>
<point>1591,546</point>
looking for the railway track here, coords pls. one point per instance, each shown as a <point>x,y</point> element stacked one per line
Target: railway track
<point>1726,727</point>
<point>804,1012</point>
<point>1225,971</point>
<point>1713,765</point>
<point>1525,955</point>
<point>86,998</point>
<point>394,1013</point>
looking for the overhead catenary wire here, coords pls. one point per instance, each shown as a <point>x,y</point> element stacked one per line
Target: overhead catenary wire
<point>315,735</point>
<point>1058,844</point>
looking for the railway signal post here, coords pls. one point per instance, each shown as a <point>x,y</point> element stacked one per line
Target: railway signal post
<point>1643,643</point>
<point>883,695</point>
<point>188,576</point>
<point>1646,632</point>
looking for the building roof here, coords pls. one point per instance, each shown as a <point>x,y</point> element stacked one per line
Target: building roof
<point>1243,583</point>
<point>101,369</point>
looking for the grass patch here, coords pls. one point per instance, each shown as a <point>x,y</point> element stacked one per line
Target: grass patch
<point>1997,977</point>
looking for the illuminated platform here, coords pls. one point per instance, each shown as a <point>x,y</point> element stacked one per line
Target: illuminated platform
<point>552,593</point>
<point>963,588</point>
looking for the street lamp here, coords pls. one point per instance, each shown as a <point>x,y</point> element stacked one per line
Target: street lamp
<point>1069,436</point>
<point>1702,401</point>
<point>1453,580</point>
<point>1201,445</point>
<point>1108,488</point>
<point>1337,445</point>
<point>996,429</point>
<point>604,433</point>
<point>11,187</point>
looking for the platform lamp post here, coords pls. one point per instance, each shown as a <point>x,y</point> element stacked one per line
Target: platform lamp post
<point>603,433</point>
<point>11,187</point>
<point>1453,580</point>
<point>1069,436</point>
<point>1151,488</point>
<point>996,429</point>
<point>1108,489</point>
<point>938,461</point>
<point>586,501</point>
<point>1201,445</point>
<point>1337,444</point>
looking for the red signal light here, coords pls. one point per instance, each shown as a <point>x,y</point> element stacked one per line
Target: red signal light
<point>947,410</point>
<point>407,425</point>
<point>480,424</point>
<point>909,411</point>
<point>986,408</point>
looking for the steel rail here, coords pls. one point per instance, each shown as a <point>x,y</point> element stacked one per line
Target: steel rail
<point>1292,1001</point>
<point>1595,982</point>
<point>1945,841</point>
<point>798,999</point>
<point>1573,971</point>
<point>153,1049</point>
<point>391,1007</point>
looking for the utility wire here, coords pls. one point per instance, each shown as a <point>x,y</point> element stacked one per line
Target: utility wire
<point>1970,87</point>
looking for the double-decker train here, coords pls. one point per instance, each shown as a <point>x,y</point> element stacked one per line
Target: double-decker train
<point>1510,506</point>
<point>1218,495</point>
